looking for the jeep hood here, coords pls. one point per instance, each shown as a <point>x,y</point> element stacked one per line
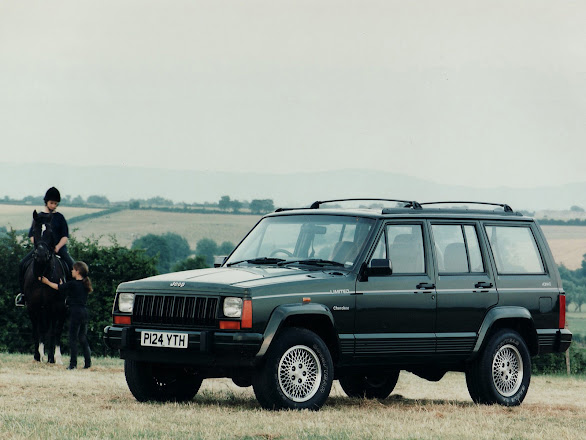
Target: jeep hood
<point>227,279</point>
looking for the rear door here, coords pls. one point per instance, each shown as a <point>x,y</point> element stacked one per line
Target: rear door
<point>395,315</point>
<point>465,284</point>
<point>523,275</point>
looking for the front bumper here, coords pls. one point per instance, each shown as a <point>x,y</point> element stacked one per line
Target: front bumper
<point>205,347</point>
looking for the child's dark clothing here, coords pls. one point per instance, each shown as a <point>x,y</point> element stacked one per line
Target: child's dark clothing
<point>78,320</point>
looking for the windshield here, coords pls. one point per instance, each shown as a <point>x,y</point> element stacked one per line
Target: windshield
<point>304,239</point>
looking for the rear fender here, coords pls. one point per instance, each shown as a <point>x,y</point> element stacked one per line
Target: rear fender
<point>515,318</point>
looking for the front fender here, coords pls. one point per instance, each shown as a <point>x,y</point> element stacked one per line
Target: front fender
<point>498,314</point>
<point>280,315</point>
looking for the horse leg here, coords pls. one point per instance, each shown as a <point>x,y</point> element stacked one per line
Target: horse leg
<point>40,352</point>
<point>36,337</point>
<point>51,341</point>
<point>58,332</point>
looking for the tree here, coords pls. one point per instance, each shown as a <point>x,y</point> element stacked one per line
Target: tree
<point>225,248</point>
<point>191,263</point>
<point>98,200</point>
<point>575,208</point>
<point>207,248</point>
<point>261,206</point>
<point>236,205</point>
<point>224,203</point>
<point>159,201</point>
<point>167,248</point>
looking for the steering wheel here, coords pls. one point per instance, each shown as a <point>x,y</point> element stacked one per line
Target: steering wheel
<point>280,251</point>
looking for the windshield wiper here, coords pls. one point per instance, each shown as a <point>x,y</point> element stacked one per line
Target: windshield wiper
<point>313,262</point>
<point>262,260</point>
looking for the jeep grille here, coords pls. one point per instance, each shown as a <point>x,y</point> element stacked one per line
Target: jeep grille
<point>175,310</point>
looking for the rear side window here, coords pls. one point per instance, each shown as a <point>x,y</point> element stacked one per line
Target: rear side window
<point>457,249</point>
<point>515,250</point>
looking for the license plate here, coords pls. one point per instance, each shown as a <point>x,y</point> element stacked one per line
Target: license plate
<point>164,339</point>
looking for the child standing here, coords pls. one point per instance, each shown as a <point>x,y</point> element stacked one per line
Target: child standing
<point>77,291</point>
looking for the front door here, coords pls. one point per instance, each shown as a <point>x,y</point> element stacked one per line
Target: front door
<point>395,314</point>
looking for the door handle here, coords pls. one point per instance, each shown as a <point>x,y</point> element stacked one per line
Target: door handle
<point>425,286</point>
<point>483,285</point>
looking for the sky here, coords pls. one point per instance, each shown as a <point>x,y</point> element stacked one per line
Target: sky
<point>477,93</point>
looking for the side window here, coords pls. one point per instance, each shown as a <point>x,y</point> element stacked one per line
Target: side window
<point>405,249</point>
<point>457,249</point>
<point>515,250</point>
<point>381,249</point>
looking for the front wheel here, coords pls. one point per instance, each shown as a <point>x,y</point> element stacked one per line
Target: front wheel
<point>502,372</point>
<point>297,373</point>
<point>370,386</point>
<point>161,383</point>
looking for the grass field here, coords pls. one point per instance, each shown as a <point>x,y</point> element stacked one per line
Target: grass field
<point>49,402</point>
<point>576,322</point>
<point>129,225</point>
<point>20,216</point>
<point>567,243</point>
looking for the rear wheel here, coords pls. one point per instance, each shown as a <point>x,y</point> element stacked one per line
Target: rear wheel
<point>370,386</point>
<point>297,373</point>
<point>161,383</point>
<point>502,373</point>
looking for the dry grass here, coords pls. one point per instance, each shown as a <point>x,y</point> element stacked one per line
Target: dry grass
<point>45,401</point>
<point>20,216</point>
<point>567,243</point>
<point>129,225</point>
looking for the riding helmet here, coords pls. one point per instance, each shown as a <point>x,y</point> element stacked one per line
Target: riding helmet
<point>52,194</point>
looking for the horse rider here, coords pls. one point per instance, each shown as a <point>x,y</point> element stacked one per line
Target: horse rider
<point>60,232</point>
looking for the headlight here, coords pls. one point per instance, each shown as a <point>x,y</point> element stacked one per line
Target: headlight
<point>125,302</point>
<point>233,307</point>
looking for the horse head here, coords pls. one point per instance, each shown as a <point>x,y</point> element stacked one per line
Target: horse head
<point>44,243</point>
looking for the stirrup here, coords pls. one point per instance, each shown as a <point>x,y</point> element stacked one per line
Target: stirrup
<point>19,301</point>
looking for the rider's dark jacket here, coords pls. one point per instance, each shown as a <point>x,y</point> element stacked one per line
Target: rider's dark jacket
<point>59,227</point>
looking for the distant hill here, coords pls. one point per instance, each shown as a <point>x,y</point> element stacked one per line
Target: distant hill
<point>299,189</point>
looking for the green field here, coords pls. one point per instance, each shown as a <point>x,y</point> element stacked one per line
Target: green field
<point>576,322</point>
<point>48,402</point>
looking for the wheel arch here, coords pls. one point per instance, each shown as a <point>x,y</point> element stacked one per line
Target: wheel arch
<point>314,317</point>
<point>518,319</point>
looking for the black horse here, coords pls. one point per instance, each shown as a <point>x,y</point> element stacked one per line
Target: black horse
<point>46,307</point>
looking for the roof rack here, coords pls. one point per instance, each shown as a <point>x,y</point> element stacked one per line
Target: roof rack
<point>408,203</point>
<point>506,207</point>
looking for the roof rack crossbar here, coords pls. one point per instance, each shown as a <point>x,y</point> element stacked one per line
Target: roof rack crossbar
<point>506,207</point>
<point>408,203</point>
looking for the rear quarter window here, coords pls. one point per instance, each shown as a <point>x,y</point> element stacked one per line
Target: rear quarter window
<point>515,250</point>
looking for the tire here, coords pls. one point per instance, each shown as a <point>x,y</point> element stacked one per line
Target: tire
<point>160,383</point>
<point>297,372</point>
<point>370,386</point>
<point>502,373</point>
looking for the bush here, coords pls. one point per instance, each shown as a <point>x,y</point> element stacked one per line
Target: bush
<point>109,266</point>
<point>556,362</point>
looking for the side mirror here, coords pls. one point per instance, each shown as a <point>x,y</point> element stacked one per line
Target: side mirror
<point>379,267</point>
<point>219,261</point>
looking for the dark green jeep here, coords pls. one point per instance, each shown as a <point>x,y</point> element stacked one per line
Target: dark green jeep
<point>312,295</point>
